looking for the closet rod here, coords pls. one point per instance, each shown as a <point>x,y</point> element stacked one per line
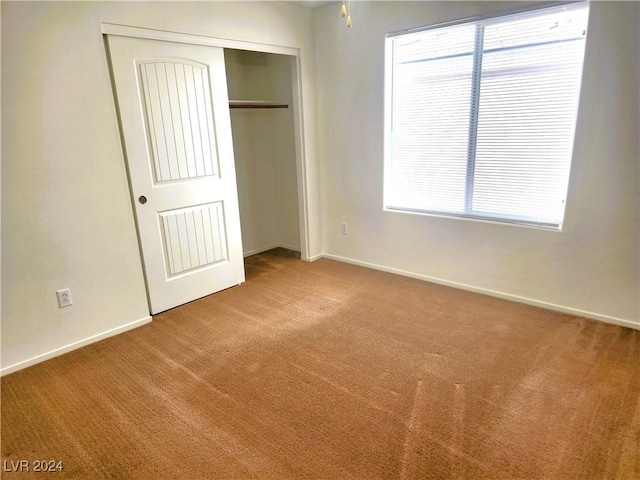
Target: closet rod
<point>244,104</point>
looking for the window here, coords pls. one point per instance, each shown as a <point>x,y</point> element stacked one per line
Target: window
<point>480,116</point>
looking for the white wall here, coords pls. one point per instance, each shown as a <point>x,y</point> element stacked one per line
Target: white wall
<point>592,267</point>
<point>264,150</point>
<point>66,216</point>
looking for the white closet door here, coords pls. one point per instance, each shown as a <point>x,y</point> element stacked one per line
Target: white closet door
<point>174,112</point>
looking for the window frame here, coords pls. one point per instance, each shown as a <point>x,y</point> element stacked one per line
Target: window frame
<point>488,19</point>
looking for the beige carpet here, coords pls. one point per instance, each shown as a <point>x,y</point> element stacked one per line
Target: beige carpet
<point>331,371</point>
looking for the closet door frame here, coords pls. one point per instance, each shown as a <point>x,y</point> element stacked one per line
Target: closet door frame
<point>301,166</point>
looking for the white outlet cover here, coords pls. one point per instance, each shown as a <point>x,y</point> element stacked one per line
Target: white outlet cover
<point>64,298</point>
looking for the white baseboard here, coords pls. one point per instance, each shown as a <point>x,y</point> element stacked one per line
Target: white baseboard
<point>492,293</point>
<point>270,247</point>
<point>289,247</point>
<point>73,346</point>
<point>317,257</point>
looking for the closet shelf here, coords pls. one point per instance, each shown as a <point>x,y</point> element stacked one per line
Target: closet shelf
<point>256,104</point>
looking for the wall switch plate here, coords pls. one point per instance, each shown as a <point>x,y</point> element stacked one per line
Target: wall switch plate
<point>345,228</point>
<point>64,298</point>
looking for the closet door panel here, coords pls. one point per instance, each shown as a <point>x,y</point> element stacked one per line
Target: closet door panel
<point>174,113</point>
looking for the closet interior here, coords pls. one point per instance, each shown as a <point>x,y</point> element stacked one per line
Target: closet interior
<point>262,123</point>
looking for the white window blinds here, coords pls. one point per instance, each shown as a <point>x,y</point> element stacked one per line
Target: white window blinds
<point>483,115</point>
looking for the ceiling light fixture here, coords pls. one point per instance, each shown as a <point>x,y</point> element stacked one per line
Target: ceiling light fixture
<point>345,11</point>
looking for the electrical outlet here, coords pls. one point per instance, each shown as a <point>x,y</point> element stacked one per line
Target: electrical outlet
<point>345,228</point>
<point>64,298</point>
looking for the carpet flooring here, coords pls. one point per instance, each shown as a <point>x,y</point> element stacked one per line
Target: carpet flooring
<point>327,370</point>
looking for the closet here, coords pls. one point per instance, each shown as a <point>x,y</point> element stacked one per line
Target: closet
<point>262,124</point>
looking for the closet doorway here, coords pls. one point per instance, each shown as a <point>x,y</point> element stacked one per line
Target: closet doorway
<point>260,89</point>
<point>272,180</point>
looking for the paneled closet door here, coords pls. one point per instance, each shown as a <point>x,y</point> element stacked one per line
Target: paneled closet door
<point>174,113</point>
